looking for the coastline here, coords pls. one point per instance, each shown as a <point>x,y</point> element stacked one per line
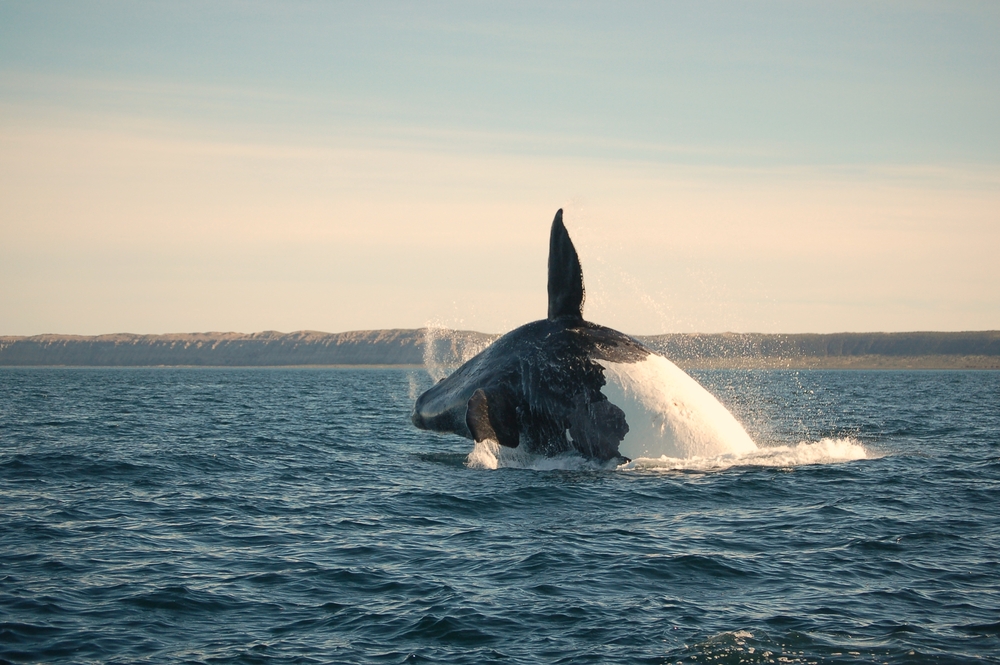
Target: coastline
<point>430,346</point>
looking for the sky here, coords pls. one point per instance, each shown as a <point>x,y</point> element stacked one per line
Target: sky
<point>748,167</point>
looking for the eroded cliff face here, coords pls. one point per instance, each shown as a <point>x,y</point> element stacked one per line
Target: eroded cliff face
<point>423,346</point>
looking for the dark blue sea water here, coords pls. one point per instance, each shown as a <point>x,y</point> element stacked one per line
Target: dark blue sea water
<point>273,516</point>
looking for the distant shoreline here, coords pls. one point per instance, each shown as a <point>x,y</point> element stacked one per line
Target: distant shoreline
<point>421,347</point>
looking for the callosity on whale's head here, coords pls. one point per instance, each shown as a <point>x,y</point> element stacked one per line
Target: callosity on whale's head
<point>541,387</point>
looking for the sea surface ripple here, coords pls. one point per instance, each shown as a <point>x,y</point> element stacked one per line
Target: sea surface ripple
<point>295,516</point>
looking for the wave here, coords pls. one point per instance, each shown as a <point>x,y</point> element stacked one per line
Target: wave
<point>489,454</point>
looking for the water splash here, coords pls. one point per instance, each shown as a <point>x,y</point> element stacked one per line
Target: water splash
<point>446,348</point>
<point>414,387</point>
<point>824,451</point>
<point>491,455</point>
<point>674,425</point>
<point>433,363</point>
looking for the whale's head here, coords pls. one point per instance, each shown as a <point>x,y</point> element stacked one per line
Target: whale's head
<point>486,396</point>
<point>443,407</point>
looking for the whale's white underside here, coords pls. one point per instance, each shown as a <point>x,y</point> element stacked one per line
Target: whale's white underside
<point>670,414</point>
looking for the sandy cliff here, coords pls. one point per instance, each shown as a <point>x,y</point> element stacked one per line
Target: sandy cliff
<point>369,347</point>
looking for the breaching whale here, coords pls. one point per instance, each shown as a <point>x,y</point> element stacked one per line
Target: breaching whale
<point>544,387</point>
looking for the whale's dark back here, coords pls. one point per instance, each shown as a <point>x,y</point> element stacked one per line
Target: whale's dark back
<point>539,386</point>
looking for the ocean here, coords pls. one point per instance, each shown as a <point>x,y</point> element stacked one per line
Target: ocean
<point>296,516</point>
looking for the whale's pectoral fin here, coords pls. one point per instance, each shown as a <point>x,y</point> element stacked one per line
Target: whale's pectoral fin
<point>597,428</point>
<point>493,416</point>
<point>566,292</point>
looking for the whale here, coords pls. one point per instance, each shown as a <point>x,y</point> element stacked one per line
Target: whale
<point>564,385</point>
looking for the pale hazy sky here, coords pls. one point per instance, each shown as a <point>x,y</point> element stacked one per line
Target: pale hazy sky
<point>771,167</point>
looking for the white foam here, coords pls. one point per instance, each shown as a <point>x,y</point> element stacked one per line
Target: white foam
<point>491,455</point>
<point>824,451</point>
<point>674,425</point>
<point>669,414</point>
